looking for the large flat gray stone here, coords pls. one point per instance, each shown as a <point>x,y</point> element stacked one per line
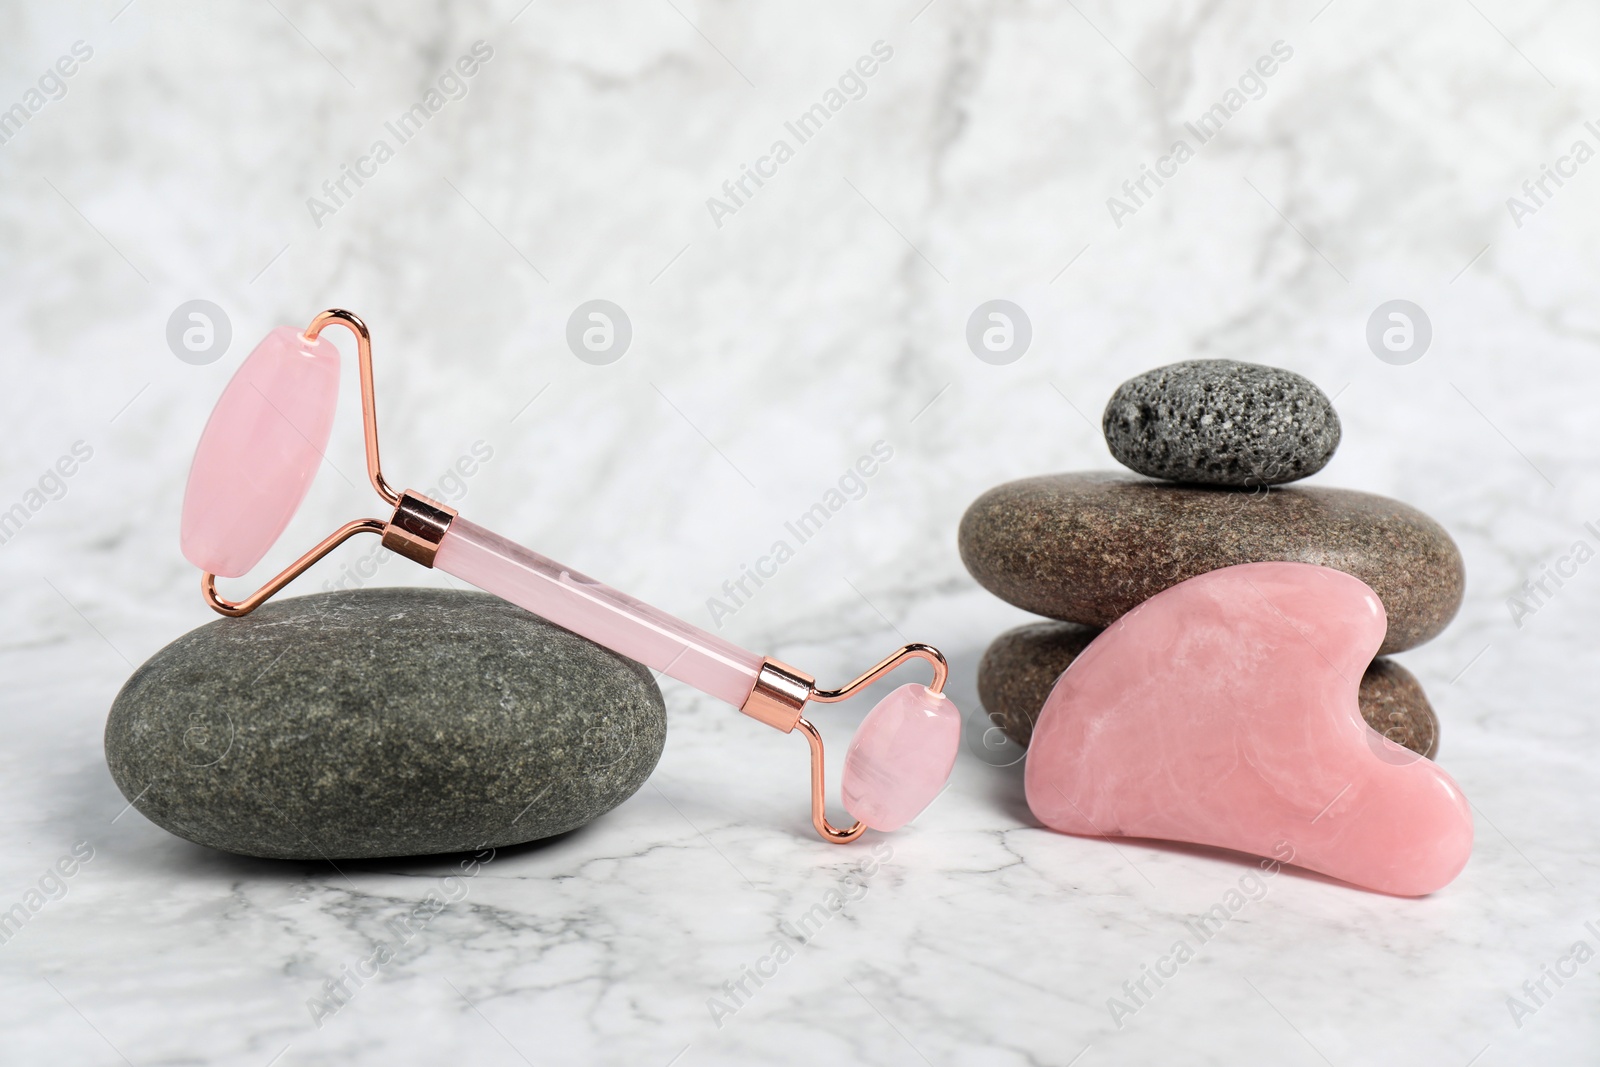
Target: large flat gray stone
<point>382,722</point>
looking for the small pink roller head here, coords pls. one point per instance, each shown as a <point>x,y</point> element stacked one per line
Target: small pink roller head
<point>901,757</point>
<point>259,451</point>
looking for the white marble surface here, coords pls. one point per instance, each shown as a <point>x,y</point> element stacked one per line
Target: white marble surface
<point>826,314</point>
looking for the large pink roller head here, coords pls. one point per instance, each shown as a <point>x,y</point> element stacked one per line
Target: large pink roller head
<point>901,756</point>
<point>259,452</point>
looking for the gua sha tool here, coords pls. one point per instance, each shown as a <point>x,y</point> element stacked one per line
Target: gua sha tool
<point>263,445</point>
<point>1223,712</point>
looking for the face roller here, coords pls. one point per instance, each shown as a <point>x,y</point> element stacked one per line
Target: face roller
<point>262,447</point>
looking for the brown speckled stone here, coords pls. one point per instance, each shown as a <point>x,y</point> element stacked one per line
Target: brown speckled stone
<point>1022,665</point>
<point>1087,547</point>
<point>1393,703</point>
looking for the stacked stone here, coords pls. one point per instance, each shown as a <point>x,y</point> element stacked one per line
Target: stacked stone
<point>1216,436</point>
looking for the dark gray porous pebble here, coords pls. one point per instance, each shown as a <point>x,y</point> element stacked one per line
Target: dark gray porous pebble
<point>1221,422</point>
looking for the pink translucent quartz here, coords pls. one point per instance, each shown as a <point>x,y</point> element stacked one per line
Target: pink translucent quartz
<point>259,452</point>
<point>1223,712</point>
<point>598,612</point>
<point>901,756</point>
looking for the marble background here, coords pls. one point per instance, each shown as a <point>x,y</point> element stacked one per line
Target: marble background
<point>827,313</point>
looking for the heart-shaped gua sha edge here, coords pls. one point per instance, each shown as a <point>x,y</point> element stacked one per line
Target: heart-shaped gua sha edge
<point>1223,712</point>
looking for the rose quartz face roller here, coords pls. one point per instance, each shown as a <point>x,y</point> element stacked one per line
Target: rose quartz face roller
<point>263,445</point>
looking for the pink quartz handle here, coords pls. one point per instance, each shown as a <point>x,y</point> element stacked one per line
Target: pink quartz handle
<point>598,612</point>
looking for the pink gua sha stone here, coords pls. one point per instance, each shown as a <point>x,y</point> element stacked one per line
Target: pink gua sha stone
<point>1223,712</point>
<point>259,451</point>
<point>901,756</point>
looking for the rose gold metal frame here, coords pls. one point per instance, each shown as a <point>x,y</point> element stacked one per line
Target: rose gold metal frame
<point>916,650</point>
<point>779,699</point>
<point>235,608</point>
<point>369,398</point>
<point>399,530</point>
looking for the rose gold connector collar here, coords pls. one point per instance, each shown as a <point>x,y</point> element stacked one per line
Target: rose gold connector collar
<point>416,529</point>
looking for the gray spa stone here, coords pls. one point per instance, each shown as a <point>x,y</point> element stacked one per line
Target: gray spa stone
<point>382,722</point>
<point>1221,422</point>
